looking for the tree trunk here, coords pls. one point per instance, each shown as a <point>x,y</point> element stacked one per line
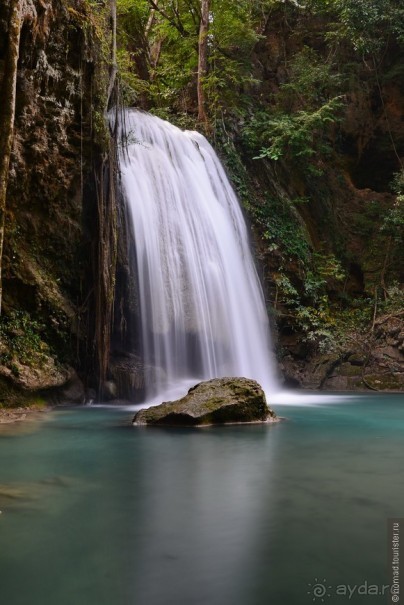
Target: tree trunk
<point>105,261</point>
<point>203,59</point>
<point>7,104</point>
<point>114,67</point>
<point>150,21</point>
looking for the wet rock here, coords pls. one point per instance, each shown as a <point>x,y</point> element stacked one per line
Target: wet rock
<point>73,391</point>
<point>110,390</point>
<point>217,401</point>
<point>132,376</point>
<point>45,375</point>
<point>357,359</point>
<point>350,369</point>
<point>90,395</point>
<point>384,382</point>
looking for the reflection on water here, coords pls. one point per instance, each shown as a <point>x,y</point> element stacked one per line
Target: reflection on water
<point>96,512</point>
<point>308,398</point>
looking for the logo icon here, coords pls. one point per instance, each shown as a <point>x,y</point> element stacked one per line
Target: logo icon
<point>319,590</point>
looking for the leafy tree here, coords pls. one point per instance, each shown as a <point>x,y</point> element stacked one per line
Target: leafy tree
<point>203,58</point>
<point>191,50</point>
<point>367,24</point>
<point>297,125</point>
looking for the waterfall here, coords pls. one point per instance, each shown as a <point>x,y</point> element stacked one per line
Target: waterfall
<point>201,304</point>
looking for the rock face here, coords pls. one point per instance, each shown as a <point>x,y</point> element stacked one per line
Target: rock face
<point>217,401</point>
<point>51,218</point>
<point>132,376</point>
<point>45,376</point>
<point>375,361</point>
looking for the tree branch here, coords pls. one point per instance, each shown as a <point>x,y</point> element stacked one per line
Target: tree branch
<point>114,67</point>
<point>178,26</point>
<point>203,60</point>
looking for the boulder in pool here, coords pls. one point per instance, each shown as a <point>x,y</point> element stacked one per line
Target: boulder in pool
<point>217,401</point>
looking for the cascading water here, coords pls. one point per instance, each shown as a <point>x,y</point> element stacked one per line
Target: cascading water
<point>201,304</point>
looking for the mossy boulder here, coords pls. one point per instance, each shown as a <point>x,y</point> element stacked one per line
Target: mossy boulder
<point>384,382</point>
<point>217,401</point>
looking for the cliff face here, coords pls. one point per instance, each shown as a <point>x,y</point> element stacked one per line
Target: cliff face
<point>50,213</point>
<point>331,257</point>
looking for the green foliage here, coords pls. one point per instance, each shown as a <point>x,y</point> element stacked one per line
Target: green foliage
<point>232,37</point>
<point>20,338</point>
<point>393,299</point>
<point>317,323</point>
<point>300,135</point>
<point>310,306</point>
<point>309,311</point>
<point>393,222</point>
<point>328,267</point>
<point>158,59</point>
<point>132,86</point>
<point>297,125</point>
<point>312,81</point>
<point>236,169</point>
<point>369,217</point>
<point>303,278</point>
<point>282,229</point>
<point>165,41</point>
<point>367,24</point>
<point>157,51</point>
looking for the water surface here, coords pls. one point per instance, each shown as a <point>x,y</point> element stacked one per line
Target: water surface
<point>97,512</point>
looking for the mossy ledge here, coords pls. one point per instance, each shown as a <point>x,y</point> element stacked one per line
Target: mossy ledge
<point>217,401</point>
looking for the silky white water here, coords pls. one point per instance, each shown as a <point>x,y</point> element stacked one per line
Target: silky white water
<point>202,307</point>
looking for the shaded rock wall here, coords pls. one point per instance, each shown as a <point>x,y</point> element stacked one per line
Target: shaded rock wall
<point>51,221</point>
<point>368,145</point>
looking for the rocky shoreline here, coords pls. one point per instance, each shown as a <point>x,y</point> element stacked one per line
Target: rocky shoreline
<point>22,414</point>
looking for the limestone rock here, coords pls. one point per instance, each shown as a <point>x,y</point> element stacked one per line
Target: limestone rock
<point>40,377</point>
<point>132,376</point>
<point>73,391</point>
<point>217,401</point>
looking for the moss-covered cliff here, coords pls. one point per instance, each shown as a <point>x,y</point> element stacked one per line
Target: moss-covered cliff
<point>46,328</point>
<point>318,162</point>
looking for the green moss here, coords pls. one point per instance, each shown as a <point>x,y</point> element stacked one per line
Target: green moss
<point>356,359</point>
<point>13,397</point>
<point>20,337</point>
<point>346,369</point>
<point>218,401</point>
<point>384,382</point>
